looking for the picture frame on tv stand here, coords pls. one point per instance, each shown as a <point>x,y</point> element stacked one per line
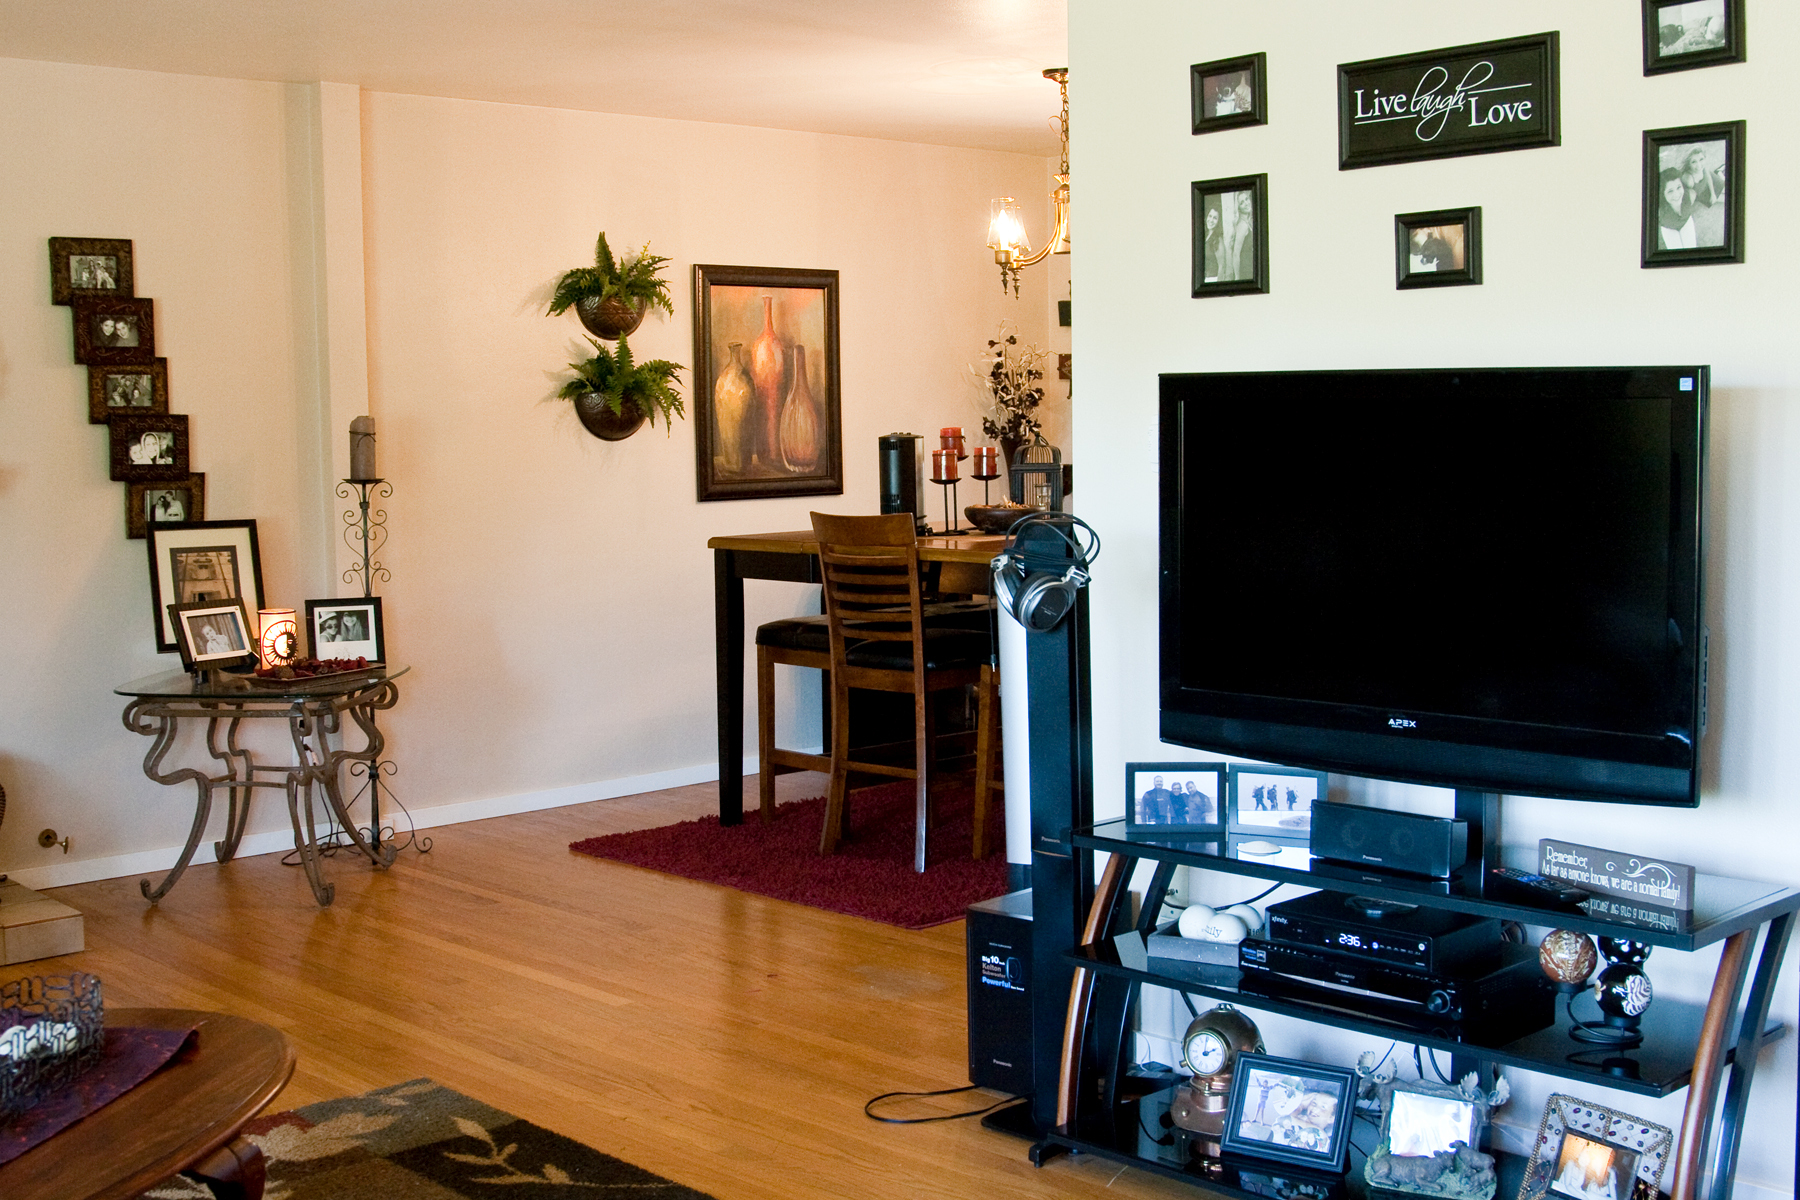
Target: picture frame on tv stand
<point>1275,802</point>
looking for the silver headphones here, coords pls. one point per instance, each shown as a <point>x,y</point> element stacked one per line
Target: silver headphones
<point>1044,565</point>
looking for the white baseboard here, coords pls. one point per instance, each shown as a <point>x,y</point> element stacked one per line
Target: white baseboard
<point>150,863</point>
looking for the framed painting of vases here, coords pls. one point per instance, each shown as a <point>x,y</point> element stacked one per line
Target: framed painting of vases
<point>767,415</point>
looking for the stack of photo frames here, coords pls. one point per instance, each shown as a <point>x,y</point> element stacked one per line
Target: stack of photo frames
<point>128,385</point>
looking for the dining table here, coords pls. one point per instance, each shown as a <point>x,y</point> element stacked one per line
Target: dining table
<point>791,557</point>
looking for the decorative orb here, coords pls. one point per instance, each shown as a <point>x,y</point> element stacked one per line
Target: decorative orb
<point>1624,950</point>
<point>1623,992</point>
<point>1567,957</point>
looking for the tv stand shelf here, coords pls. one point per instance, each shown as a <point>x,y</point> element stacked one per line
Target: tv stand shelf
<point>1699,1047</point>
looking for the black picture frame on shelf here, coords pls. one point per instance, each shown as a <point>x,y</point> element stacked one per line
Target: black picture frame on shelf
<point>346,628</point>
<point>1175,797</point>
<point>1231,236</point>
<point>1287,813</point>
<point>1680,35</point>
<point>1229,93</point>
<point>1694,195</point>
<point>213,633</point>
<point>200,560</point>
<point>1441,248</point>
<point>1290,1111</point>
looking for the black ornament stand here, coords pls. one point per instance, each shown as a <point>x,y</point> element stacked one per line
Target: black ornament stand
<point>366,533</point>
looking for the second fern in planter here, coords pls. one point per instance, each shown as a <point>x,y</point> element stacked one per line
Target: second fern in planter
<point>614,395</point>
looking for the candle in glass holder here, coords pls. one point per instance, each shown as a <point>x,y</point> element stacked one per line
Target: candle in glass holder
<point>987,463</point>
<point>950,437</point>
<point>943,466</point>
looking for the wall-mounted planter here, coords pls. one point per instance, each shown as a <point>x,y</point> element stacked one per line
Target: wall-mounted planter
<point>603,422</point>
<point>611,319</point>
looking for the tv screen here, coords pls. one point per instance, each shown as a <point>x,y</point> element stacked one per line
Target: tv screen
<point>1487,579</point>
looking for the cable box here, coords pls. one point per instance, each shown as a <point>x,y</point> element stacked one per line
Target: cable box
<point>1388,931</point>
<point>1508,986</point>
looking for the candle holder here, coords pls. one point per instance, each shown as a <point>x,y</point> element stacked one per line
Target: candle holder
<point>943,473</point>
<point>363,533</point>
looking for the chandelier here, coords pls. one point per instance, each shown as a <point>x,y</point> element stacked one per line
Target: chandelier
<point>1006,231</point>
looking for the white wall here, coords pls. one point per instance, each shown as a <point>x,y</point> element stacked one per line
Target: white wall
<point>1563,285</point>
<point>553,593</point>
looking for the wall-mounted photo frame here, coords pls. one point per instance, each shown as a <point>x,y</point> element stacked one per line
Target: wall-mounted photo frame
<point>191,561</point>
<point>145,448</point>
<point>346,628</point>
<point>1290,1111</point>
<point>213,633</point>
<point>1441,248</point>
<point>1231,236</point>
<point>1275,801</point>
<point>1694,195</point>
<point>1175,797</point>
<point>127,388</point>
<point>1417,1151</point>
<point>1582,1147</point>
<point>164,500</point>
<point>1680,35</point>
<point>1230,92</point>
<point>114,330</point>
<point>767,411</point>
<point>98,267</point>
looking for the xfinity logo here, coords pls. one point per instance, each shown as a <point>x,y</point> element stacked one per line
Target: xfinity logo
<point>1402,723</point>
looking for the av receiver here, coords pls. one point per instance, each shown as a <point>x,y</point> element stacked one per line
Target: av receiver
<point>1385,931</point>
<point>1507,988</point>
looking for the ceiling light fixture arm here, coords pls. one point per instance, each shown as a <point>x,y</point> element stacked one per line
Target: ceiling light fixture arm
<point>1006,233</point>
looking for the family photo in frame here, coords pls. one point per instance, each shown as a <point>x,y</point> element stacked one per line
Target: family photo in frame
<point>213,633</point>
<point>346,628</point>
<point>90,267</point>
<point>1441,248</point>
<point>1694,195</point>
<point>192,561</point>
<point>1275,800</point>
<point>1231,236</point>
<point>1174,797</point>
<point>1290,1111</point>
<point>141,389</point>
<point>163,500</point>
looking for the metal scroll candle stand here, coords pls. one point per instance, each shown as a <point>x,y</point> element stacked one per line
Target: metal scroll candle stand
<point>943,470</point>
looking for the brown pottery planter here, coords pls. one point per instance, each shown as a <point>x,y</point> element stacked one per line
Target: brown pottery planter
<point>606,424</point>
<point>611,319</point>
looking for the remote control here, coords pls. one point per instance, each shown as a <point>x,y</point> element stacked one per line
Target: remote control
<point>1540,888</point>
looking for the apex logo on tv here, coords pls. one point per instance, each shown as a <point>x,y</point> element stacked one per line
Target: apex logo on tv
<point>1402,723</point>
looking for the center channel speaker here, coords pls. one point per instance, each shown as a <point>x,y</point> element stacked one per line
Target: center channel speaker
<point>1393,841</point>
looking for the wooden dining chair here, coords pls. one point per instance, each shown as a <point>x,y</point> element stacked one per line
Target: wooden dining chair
<point>876,633</point>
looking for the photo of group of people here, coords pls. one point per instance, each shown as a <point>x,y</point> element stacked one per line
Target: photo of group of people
<point>130,389</point>
<point>1691,197</point>
<point>94,271</point>
<point>1175,798</point>
<point>1274,800</point>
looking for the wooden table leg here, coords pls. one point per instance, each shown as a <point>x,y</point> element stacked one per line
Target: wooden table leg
<point>728,646</point>
<point>236,1171</point>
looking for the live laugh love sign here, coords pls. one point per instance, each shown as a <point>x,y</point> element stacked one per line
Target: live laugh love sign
<point>1441,103</point>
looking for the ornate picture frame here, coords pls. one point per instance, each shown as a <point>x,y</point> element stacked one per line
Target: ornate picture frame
<point>1422,1124</point>
<point>1694,195</point>
<point>1175,797</point>
<point>96,267</point>
<point>1680,35</point>
<point>141,388</point>
<point>200,560</point>
<point>114,330</point>
<point>1231,236</point>
<point>146,447</point>
<point>1605,1138</point>
<point>767,404</point>
<point>1229,93</point>
<point>1441,248</point>
<point>164,500</point>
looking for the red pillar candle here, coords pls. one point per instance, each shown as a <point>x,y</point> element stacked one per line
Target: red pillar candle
<point>943,466</point>
<point>987,463</point>
<point>950,437</point>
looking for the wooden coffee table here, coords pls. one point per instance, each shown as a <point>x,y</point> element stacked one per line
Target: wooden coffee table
<point>186,1117</point>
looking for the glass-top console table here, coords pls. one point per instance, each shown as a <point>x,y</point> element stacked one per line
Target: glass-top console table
<point>314,710</point>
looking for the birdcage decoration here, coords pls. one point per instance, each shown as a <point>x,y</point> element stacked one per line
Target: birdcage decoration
<point>1037,476</point>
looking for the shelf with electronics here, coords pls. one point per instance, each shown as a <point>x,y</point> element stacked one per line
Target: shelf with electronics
<point>1106,1109</point>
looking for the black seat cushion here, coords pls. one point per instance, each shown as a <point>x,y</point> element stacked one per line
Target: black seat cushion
<point>945,649</point>
<point>811,633</point>
<point>796,633</point>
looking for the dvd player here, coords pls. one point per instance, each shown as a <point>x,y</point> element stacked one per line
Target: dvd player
<point>1508,987</point>
<point>1388,931</point>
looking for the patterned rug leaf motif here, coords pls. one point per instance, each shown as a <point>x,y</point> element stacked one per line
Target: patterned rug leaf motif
<point>421,1141</point>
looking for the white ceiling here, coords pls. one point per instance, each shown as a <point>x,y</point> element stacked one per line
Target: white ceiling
<point>942,72</point>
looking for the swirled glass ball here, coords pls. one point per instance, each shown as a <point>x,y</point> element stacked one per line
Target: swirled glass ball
<point>1623,990</point>
<point>1624,950</point>
<point>1567,957</point>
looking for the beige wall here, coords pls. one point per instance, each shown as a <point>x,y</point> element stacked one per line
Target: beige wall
<point>553,593</point>
<point>1563,285</point>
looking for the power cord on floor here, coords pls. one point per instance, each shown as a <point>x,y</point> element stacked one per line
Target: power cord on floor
<point>1004,1102</point>
<point>337,838</point>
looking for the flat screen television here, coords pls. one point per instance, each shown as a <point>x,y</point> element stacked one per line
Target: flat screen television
<point>1484,579</point>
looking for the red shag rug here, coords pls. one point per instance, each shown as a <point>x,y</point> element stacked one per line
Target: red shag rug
<point>870,876</point>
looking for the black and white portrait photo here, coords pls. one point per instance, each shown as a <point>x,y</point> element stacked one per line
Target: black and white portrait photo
<point>99,271</point>
<point>112,330</point>
<point>165,504</point>
<point>155,448</point>
<point>1178,797</point>
<point>213,633</point>
<point>132,389</point>
<point>346,628</point>
<point>1691,27</point>
<point>1230,245</point>
<point>204,573</point>
<point>1692,196</point>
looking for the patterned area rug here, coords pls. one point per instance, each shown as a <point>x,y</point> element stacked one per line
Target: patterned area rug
<point>870,876</point>
<point>422,1141</point>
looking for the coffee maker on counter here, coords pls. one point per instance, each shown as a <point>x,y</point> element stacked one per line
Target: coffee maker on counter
<point>903,477</point>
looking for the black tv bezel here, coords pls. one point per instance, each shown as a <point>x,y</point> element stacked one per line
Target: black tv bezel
<point>1459,752</point>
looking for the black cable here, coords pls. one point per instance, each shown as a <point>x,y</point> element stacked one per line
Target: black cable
<point>1435,1069</point>
<point>1004,1102</point>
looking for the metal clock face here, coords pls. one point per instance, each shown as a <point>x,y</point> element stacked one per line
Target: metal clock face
<point>1205,1053</point>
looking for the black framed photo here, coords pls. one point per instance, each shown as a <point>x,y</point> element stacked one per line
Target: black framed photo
<point>1437,249</point>
<point>1694,195</point>
<point>90,267</point>
<point>114,330</point>
<point>1584,1149</point>
<point>145,448</point>
<point>164,500</point>
<point>767,409</point>
<point>1422,1126</point>
<point>1680,35</point>
<point>349,628</point>
<point>141,388</point>
<point>1230,92</point>
<point>1290,1111</point>
<point>213,633</point>
<point>191,561</point>
<point>1231,236</point>
<point>1175,797</point>
<point>1276,801</point>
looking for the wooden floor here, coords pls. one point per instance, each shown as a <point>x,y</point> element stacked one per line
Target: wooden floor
<point>720,1039</point>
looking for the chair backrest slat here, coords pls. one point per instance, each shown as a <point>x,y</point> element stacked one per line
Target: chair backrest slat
<point>871,577</point>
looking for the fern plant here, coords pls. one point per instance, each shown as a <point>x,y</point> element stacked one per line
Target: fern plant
<point>618,379</point>
<point>634,282</point>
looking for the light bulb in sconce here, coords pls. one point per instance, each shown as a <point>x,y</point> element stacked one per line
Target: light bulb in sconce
<point>278,643</point>
<point>1006,232</point>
